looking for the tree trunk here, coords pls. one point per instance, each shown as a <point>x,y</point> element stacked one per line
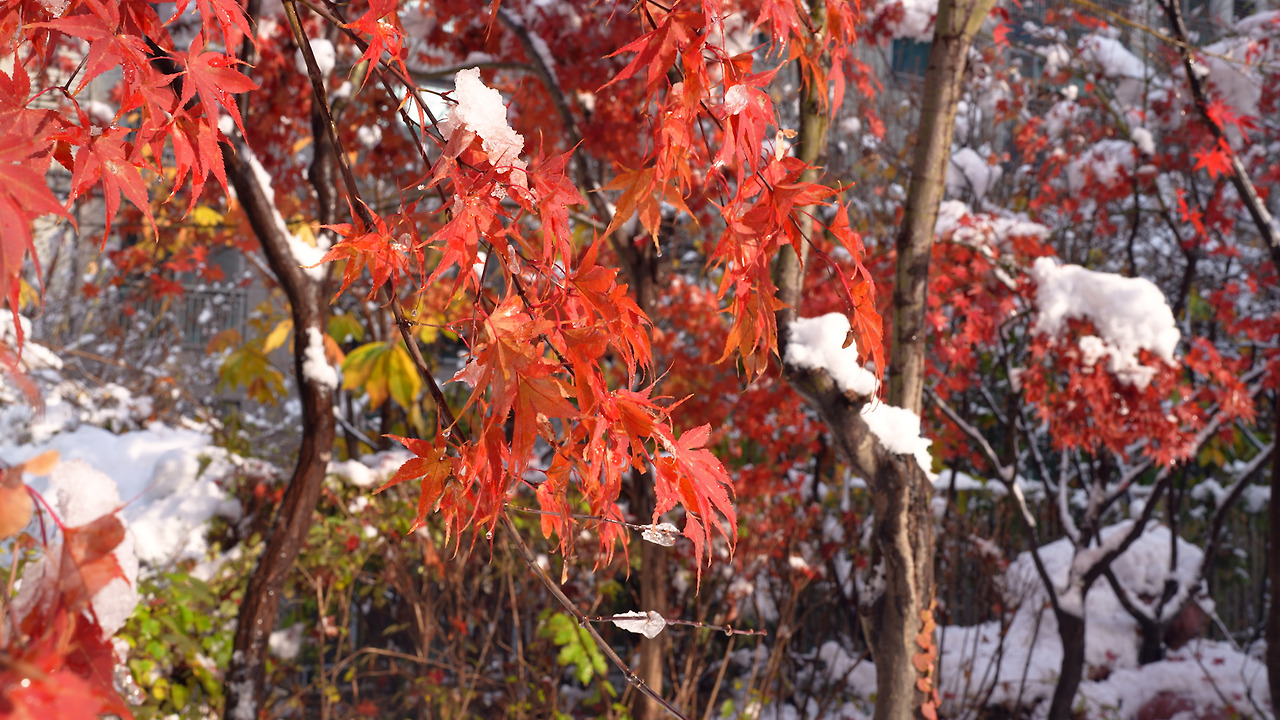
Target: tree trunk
<point>957,22</point>
<point>894,621</point>
<point>653,596</point>
<point>643,260</point>
<point>1273,567</point>
<point>897,621</point>
<point>1071,629</point>
<point>898,624</point>
<point>308,304</point>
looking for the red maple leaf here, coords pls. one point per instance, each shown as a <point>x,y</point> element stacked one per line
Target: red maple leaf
<point>108,47</point>
<point>382,25</point>
<point>1216,160</point>
<point>1222,114</point>
<point>657,50</point>
<point>214,77</point>
<point>692,476</point>
<point>386,257</point>
<point>107,158</point>
<point>226,15</point>
<point>24,196</point>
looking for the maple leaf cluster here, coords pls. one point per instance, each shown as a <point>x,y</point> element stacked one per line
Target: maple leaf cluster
<point>559,361</point>
<point>44,120</point>
<point>56,660</point>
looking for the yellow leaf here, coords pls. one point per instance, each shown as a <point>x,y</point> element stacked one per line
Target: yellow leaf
<point>205,216</point>
<point>402,376</point>
<point>27,296</point>
<point>277,336</point>
<point>224,340</point>
<point>306,234</point>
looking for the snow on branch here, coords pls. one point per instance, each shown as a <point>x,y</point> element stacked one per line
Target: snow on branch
<point>819,344</point>
<point>1130,315</point>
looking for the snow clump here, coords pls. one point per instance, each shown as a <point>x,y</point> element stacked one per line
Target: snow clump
<point>315,366</point>
<point>818,344</point>
<point>325,54</point>
<point>480,110</point>
<point>1130,315</point>
<point>898,430</point>
<point>649,624</point>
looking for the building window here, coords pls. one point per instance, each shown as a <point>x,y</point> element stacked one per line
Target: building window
<point>910,57</point>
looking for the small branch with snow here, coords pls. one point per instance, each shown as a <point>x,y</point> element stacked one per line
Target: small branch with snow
<point>650,624</point>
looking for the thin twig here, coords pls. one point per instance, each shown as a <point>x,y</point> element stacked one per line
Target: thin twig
<point>577,614</point>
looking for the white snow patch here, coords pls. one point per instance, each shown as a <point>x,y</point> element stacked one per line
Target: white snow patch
<point>79,495</point>
<point>898,430</point>
<point>1101,163</point>
<point>915,21</point>
<point>286,643</point>
<point>984,231</point>
<point>967,171</point>
<point>307,256</point>
<point>370,470</point>
<point>1143,139</point>
<point>169,500</point>
<point>735,99</point>
<point>480,110</point>
<point>325,54</point>
<point>663,534</point>
<point>1111,56</point>
<point>315,366</point>
<point>369,136</point>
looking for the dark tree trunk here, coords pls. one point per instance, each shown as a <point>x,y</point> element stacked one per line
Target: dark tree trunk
<point>1273,574</point>
<point>1152,647</point>
<point>308,304</point>
<point>654,580</point>
<point>1071,630</point>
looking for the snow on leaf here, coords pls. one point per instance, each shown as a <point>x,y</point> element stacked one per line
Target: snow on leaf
<point>663,534</point>
<point>649,624</point>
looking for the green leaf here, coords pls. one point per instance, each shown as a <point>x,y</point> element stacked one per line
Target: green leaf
<point>577,647</point>
<point>345,328</point>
